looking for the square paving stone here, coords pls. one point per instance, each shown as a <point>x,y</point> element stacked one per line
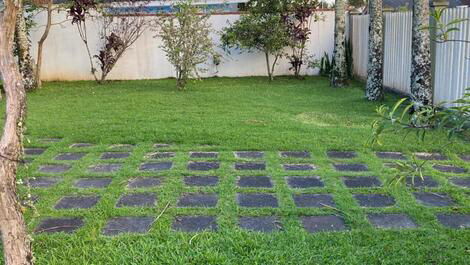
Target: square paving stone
<point>198,200</point>
<point>341,154</point>
<point>295,154</point>
<point>161,145</point>
<point>93,183</point>
<point>434,199</point>
<point>299,167</point>
<point>34,151</point>
<point>203,154</point>
<point>465,157</point>
<point>313,200</point>
<point>461,182</point>
<point>115,155</point>
<point>255,182</point>
<point>70,156</point>
<point>351,167</point>
<point>50,140</point>
<point>203,166</point>
<point>459,221</point>
<point>201,181</point>
<point>160,155</point>
<point>77,202</point>
<point>121,146</point>
<point>157,166</point>
<point>374,200</point>
<point>418,182</point>
<point>327,223</point>
<point>394,221</point>
<point>450,169</point>
<point>54,168</point>
<point>137,200</point>
<point>391,155</point>
<point>305,182</point>
<point>41,182</point>
<point>260,223</point>
<point>194,223</point>
<point>249,154</point>
<point>257,200</point>
<point>105,168</point>
<point>144,182</point>
<point>81,145</point>
<point>430,156</point>
<point>250,166</point>
<point>137,224</point>
<point>362,182</point>
<point>64,224</point>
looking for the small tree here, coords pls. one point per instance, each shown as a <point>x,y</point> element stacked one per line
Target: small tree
<point>374,86</point>
<point>23,45</point>
<point>186,41</point>
<point>339,73</point>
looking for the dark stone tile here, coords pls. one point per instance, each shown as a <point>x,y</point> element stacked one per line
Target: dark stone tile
<point>121,146</point>
<point>461,182</point>
<point>341,154</point>
<point>201,181</point>
<point>255,182</point>
<point>77,202</point>
<point>64,224</point>
<point>295,154</point>
<point>257,200</point>
<point>115,155</point>
<point>96,183</point>
<point>160,155</point>
<point>70,156</point>
<point>158,166</point>
<point>249,154</point>
<point>54,168</point>
<point>105,168</point>
<point>449,169</point>
<point>315,224</point>
<point>391,155</point>
<point>41,182</point>
<point>134,224</point>
<point>198,200</point>
<point>362,182</point>
<point>137,200</point>
<point>203,154</point>
<point>313,200</point>
<point>81,145</point>
<point>465,157</point>
<point>374,200</point>
<point>394,221</point>
<point>430,156</point>
<point>203,166</point>
<point>50,140</point>
<point>351,167</point>
<point>459,221</point>
<point>305,182</point>
<point>161,145</point>
<point>194,223</point>
<point>434,199</point>
<point>418,182</point>
<point>26,161</point>
<point>260,223</point>
<point>34,151</point>
<point>250,166</point>
<point>144,182</point>
<point>299,167</point>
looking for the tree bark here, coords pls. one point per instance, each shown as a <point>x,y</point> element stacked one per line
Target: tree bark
<point>421,88</point>
<point>16,242</point>
<point>23,46</point>
<point>339,73</point>
<point>41,43</point>
<point>268,67</point>
<point>374,87</point>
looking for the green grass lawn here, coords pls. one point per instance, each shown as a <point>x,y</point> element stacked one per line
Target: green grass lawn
<point>226,115</point>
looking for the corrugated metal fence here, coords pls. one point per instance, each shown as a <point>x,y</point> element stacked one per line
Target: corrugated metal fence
<point>452,59</point>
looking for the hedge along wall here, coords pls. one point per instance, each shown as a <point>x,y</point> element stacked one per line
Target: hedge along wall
<point>65,55</point>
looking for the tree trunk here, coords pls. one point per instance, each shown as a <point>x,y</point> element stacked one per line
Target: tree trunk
<point>23,46</point>
<point>339,72</point>
<point>268,67</point>
<point>41,43</point>
<point>16,242</point>
<point>374,87</point>
<point>421,88</point>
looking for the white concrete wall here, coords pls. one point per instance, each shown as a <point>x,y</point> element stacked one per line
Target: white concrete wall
<point>65,55</point>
